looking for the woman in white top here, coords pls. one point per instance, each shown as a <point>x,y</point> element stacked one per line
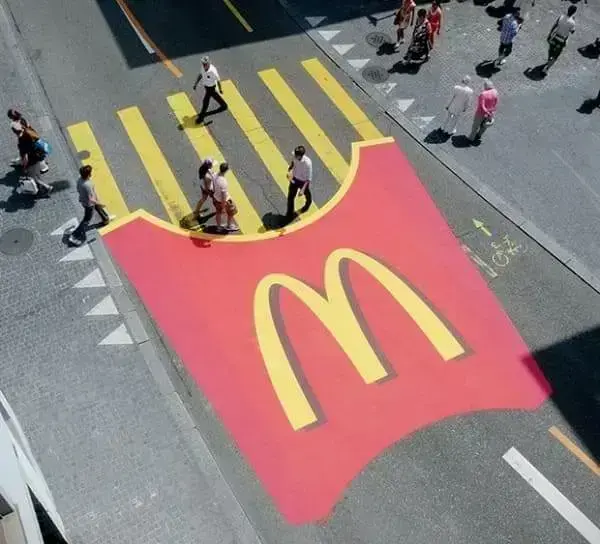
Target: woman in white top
<point>206,175</point>
<point>223,202</point>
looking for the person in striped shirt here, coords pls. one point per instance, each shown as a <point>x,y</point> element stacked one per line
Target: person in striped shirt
<point>511,23</point>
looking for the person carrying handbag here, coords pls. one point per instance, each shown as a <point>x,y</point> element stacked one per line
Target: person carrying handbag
<point>558,36</point>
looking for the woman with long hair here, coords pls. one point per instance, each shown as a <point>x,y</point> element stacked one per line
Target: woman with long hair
<point>206,176</point>
<point>422,39</point>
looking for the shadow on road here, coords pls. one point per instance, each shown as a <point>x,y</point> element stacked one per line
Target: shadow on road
<point>571,367</point>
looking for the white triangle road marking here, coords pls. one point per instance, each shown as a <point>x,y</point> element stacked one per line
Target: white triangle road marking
<point>328,35</point>
<point>385,88</point>
<point>315,21</point>
<point>105,307</point>
<point>404,103</point>
<point>83,253</point>
<point>342,49</point>
<point>118,337</point>
<point>93,279</point>
<point>70,224</point>
<point>358,64</point>
<point>422,122</point>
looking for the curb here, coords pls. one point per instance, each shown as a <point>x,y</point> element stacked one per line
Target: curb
<point>485,192</point>
<point>148,345</point>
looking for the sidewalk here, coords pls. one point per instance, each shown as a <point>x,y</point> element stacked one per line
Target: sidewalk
<point>539,162</point>
<point>109,431</point>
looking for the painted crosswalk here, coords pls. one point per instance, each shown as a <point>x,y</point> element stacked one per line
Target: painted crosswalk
<point>200,141</point>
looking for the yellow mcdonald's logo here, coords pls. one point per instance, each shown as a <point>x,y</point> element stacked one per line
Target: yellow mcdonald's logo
<point>335,312</point>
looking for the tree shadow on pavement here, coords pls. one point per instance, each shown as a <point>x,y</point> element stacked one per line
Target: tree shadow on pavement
<point>571,368</point>
<point>536,73</point>
<point>486,69</point>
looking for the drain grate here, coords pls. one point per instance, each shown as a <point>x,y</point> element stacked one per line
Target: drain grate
<point>375,74</point>
<point>377,39</point>
<point>16,241</point>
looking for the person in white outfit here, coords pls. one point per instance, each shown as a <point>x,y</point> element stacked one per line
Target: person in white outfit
<point>459,104</point>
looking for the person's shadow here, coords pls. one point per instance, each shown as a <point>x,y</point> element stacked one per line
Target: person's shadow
<point>486,69</point>
<point>591,50</point>
<point>536,73</point>
<point>406,67</point>
<point>386,48</point>
<point>589,106</point>
<point>437,136</point>
<point>276,221</point>
<point>461,141</point>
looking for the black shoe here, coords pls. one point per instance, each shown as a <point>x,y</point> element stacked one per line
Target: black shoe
<point>304,209</point>
<point>199,120</point>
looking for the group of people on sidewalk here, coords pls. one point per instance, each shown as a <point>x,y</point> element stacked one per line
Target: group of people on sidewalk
<point>428,25</point>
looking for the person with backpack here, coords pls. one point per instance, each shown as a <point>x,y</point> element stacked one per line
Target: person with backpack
<point>17,117</point>
<point>33,152</point>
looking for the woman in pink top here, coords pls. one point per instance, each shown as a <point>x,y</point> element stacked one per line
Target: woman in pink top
<point>486,110</point>
<point>435,18</point>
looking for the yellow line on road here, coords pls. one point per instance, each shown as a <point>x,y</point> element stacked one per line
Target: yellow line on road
<point>108,191</point>
<point>156,165</point>
<point>342,100</point>
<point>575,450</point>
<point>238,15</point>
<point>205,146</point>
<point>314,134</point>
<point>272,158</point>
<point>132,18</point>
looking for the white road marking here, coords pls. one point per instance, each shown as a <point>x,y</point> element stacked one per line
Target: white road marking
<point>385,88</point>
<point>70,224</point>
<point>328,35</point>
<point>422,122</point>
<point>105,307</point>
<point>118,337</point>
<point>404,103</point>
<point>82,253</point>
<point>315,21</point>
<point>148,47</point>
<point>342,49</point>
<point>358,64</point>
<point>93,279</point>
<point>553,496</point>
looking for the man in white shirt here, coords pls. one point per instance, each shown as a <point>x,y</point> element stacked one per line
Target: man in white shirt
<point>209,77</point>
<point>223,201</point>
<point>558,36</point>
<point>300,175</point>
<point>459,104</point>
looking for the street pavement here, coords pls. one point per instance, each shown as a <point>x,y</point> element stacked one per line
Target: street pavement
<point>540,157</point>
<point>456,478</point>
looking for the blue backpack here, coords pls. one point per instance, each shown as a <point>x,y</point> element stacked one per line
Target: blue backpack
<point>42,146</point>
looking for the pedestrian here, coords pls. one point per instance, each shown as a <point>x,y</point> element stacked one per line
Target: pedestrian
<point>89,201</point>
<point>209,77</point>
<point>459,104</point>
<point>31,155</point>
<point>223,202</point>
<point>422,39</point>
<point>300,174</point>
<point>17,117</point>
<point>405,17</point>
<point>435,17</point>
<point>207,176</point>
<point>510,28</point>
<point>558,36</point>
<point>485,112</point>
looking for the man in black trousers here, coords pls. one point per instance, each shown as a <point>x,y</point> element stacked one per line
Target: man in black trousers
<point>300,175</point>
<point>209,77</point>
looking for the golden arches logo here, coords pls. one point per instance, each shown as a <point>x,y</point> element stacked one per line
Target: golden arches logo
<point>335,312</point>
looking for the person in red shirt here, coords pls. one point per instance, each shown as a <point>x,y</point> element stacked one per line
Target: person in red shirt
<point>485,113</point>
<point>435,18</point>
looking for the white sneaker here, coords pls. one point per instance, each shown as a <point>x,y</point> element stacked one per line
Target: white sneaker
<point>503,61</point>
<point>232,228</point>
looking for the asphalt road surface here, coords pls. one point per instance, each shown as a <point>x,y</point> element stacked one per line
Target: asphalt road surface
<point>490,477</point>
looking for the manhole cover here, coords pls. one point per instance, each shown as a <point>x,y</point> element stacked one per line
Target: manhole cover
<point>377,39</point>
<point>375,74</point>
<point>16,241</point>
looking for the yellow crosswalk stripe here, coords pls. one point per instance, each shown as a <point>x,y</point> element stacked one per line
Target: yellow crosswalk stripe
<point>106,187</point>
<point>205,146</point>
<point>268,152</point>
<point>342,100</point>
<point>305,123</point>
<point>156,164</point>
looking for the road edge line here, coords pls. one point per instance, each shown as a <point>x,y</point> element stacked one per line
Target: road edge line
<point>485,192</point>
